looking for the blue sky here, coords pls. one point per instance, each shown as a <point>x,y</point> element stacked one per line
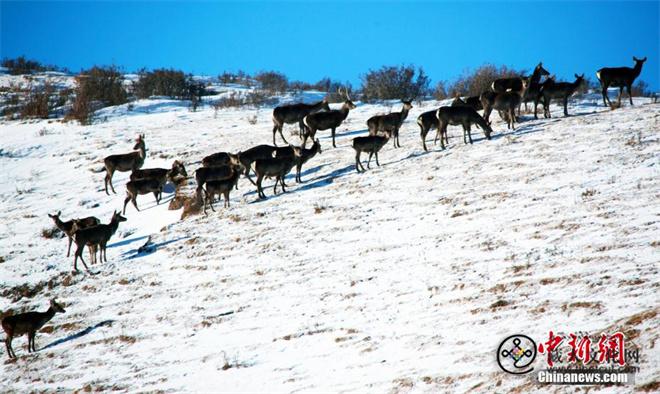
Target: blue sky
<point>339,39</point>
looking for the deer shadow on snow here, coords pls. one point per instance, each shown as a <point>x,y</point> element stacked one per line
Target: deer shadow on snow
<point>79,334</point>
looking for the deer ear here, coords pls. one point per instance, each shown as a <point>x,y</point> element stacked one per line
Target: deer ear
<point>59,213</point>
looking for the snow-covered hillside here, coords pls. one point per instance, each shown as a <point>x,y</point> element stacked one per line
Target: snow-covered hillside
<point>404,278</point>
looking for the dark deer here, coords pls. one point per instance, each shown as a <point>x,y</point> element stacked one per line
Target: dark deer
<point>253,154</point>
<point>427,121</point>
<point>327,120</point>
<point>220,159</point>
<point>371,144</point>
<point>126,162</point>
<point>140,187</point>
<point>559,90</point>
<point>506,103</point>
<point>465,116</point>
<point>274,167</point>
<point>305,156</point>
<point>294,113</point>
<point>502,85</point>
<point>220,187</point>
<point>70,226</point>
<point>533,91</point>
<point>473,102</point>
<point>162,174</point>
<point>619,77</point>
<point>97,235</point>
<point>390,122</point>
<point>28,323</point>
<point>205,174</point>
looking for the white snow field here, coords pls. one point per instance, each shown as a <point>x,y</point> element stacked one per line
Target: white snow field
<point>403,279</point>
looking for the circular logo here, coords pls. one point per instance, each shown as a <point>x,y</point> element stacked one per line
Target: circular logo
<point>516,353</point>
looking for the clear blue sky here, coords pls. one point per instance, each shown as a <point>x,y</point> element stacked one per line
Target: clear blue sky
<point>339,39</point>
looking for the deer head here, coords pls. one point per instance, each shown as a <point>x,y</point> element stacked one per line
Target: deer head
<point>57,307</point>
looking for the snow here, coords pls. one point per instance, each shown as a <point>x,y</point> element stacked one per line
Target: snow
<point>382,281</point>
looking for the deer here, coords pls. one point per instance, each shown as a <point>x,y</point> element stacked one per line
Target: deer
<point>327,120</point>
<point>465,116</point>
<point>125,162</point>
<point>427,121</point>
<point>276,167</point>
<point>305,156</point>
<point>140,187</point>
<point>223,187</point>
<point>70,226</point>
<point>162,174</point>
<point>502,85</point>
<point>473,102</point>
<point>391,121</point>
<point>220,159</point>
<point>506,103</point>
<point>205,174</point>
<point>255,153</point>
<point>371,144</point>
<point>559,90</point>
<point>294,113</point>
<point>28,323</point>
<point>533,91</point>
<point>98,235</point>
<point>619,77</point>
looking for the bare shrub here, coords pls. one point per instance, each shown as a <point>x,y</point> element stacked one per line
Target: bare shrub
<point>96,88</point>
<point>440,92</point>
<point>272,81</point>
<point>389,82</point>
<point>21,65</point>
<point>473,83</point>
<point>37,102</point>
<point>641,89</point>
<point>161,82</point>
<point>240,77</point>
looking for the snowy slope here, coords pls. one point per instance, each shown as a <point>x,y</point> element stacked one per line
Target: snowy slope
<point>405,278</point>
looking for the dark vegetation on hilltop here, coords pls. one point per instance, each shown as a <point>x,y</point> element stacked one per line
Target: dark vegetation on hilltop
<point>103,86</point>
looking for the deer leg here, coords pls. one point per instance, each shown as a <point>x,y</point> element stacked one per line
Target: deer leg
<point>333,138</point>
<point>468,129</point>
<point>109,178</point>
<point>81,259</point>
<point>566,106</point>
<point>397,138</point>
<point>126,200</point>
<point>628,88</point>
<point>277,179</point>
<point>298,168</point>
<point>68,251</point>
<point>423,135</point>
<point>512,114</point>
<point>282,135</point>
<point>443,133</point>
<point>134,201</point>
<point>620,94</point>
<point>260,191</point>
<point>369,161</point>
<point>376,154</point>
<point>282,183</point>
<point>606,99</point>
<point>30,342</point>
<point>75,257</point>
<point>10,351</point>
<point>357,161</point>
<point>227,199</point>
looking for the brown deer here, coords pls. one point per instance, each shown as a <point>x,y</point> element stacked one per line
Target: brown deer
<point>506,103</point>
<point>391,122</point>
<point>28,323</point>
<point>220,159</point>
<point>275,167</point>
<point>371,144</point>
<point>162,174</point>
<point>327,120</point>
<point>559,90</point>
<point>305,156</point>
<point>125,162</point>
<point>294,113</point>
<point>223,187</point>
<point>140,187</point>
<point>205,174</point>
<point>621,77</point>
<point>253,154</point>
<point>427,121</point>
<point>70,226</point>
<point>98,235</point>
<point>464,116</point>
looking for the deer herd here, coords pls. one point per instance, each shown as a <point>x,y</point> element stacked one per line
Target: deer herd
<point>221,171</point>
